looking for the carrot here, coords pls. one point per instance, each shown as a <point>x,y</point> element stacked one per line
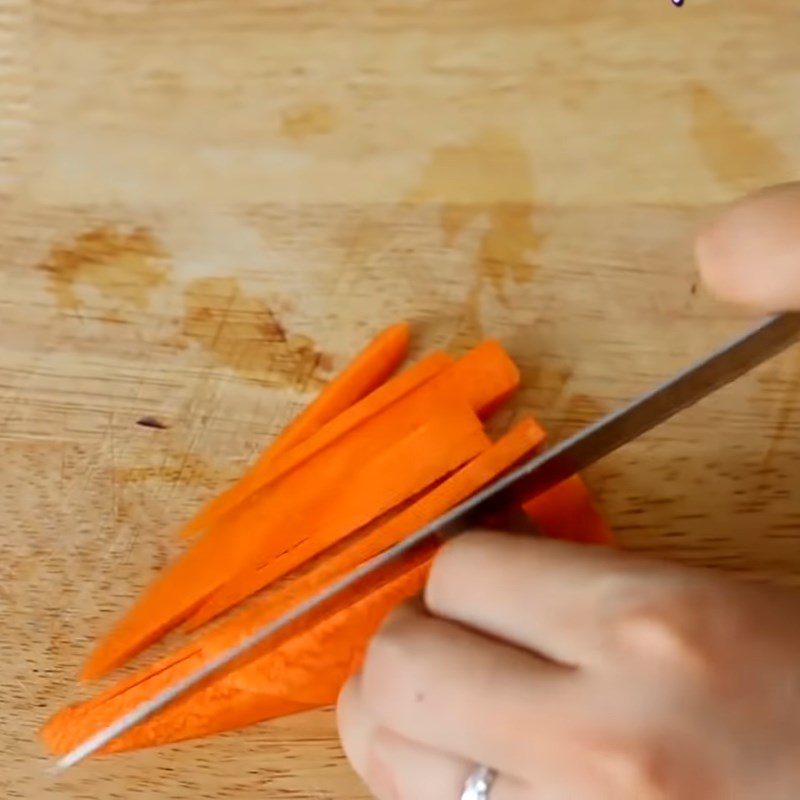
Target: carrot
<point>304,671</point>
<point>305,512</point>
<point>270,518</point>
<point>567,512</point>
<point>399,473</point>
<point>274,466</point>
<point>215,709</point>
<point>367,464</point>
<point>312,666</point>
<point>523,438</point>
<point>485,377</point>
<point>368,370</point>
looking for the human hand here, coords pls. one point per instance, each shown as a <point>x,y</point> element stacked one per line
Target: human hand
<point>583,674</point>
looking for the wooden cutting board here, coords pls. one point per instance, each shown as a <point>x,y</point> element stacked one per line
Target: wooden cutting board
<point>209,206</point>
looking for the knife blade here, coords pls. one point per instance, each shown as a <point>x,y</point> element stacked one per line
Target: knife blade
<point>536,475</point>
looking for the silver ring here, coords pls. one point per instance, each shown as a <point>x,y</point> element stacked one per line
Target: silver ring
<point>478,784</point>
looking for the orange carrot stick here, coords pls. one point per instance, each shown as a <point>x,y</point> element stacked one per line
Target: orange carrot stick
<point>368,370</point>
<point>278,465</point>
<point>215,709</point>
<point>401,472</point>
<point>371,368</point>
<point>522,439</point>
<point>335,493</point>
<point>304,671</point>
<point>273,517</point>
<point>567,512</point>
<point>485,377</point>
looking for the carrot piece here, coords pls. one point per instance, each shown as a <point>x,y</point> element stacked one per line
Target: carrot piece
<point>270,518</point>
<point>217,708</point>
<point>308,507</point>
<point>368,370</point>
<point>282,687</point>
<point>304,671</point>
<point>312,666</point>
<point>275,467</point>
<point>485,377</point>
<point>434,450</point>
<point>567,512</point>
<point>523,438</point>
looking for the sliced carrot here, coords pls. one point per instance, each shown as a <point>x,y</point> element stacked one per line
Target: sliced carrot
<point>368,370</point>
<point>522,439</point>
<point>305,671</point>
<point>568,512</point>
<point>312,666</point>
<point>485,377</point>
<point>292,497</point>
<point>448,440</point>
<point>357,414</point>
<point>337,492</point>
<point>217,708</point>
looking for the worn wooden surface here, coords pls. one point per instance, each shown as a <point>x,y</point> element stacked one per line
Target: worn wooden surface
<point>208,206</point>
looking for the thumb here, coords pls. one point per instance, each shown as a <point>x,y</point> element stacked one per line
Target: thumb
<point>750,254</point>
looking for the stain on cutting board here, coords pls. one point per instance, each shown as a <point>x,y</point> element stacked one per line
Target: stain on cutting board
<point>487,180</point>
<point>184,469</point>
<point>242,332</point>
<point>736,152</point>
<point>123,266</point>
<point>307,120</point>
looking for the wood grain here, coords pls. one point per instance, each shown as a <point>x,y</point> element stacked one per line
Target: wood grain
<point>208,206</point>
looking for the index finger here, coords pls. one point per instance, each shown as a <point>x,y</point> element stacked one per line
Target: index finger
<point>750,254</point>
<point>560,600</point>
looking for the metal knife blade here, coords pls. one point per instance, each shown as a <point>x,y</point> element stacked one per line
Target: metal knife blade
<point>537,475</point>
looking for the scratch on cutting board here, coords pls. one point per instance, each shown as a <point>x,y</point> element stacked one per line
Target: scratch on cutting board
<point>487,179</point>
<point>125,266</point>
<point>242,332</point>
<point>736,152</point>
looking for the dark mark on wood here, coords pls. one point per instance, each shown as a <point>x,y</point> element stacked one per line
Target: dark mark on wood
<point>152,422</point>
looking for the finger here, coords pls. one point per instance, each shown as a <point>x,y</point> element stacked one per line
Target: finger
<point>546,596</point>
<point>456,691</point>
<point>356,724</point>
<point>393,766</point>
<point>751,253</point>
<point>421,773</point>
<point>398,768</point>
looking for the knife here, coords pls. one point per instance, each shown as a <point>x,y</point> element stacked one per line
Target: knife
<point>536,475</point>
